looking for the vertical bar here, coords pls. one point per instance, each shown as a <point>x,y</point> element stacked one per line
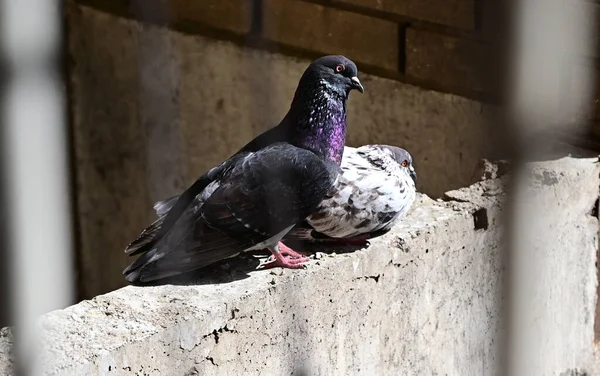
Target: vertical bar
<point>35,169</point>
<point>5,298</point>
<point>158,112</point>
<point>549,37</point>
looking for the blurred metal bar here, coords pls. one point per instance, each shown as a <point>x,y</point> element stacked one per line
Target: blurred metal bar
<point>552,38</point>
<point>5,318</point>
<point>548,93</point>
<point>36,169</point>
<point>158,104</point>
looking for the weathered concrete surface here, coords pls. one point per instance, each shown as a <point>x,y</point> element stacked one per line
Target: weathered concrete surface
<point>553,266</point>
<point>421,300</point>
<point>556,230</point>
<point>153,109</point>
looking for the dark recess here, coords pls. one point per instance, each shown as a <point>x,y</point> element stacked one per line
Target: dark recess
<point>594,211</point>
<point>480,219</point>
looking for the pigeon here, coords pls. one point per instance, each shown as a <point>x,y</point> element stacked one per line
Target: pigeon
<point>375,188</point>
<point>255,197</point>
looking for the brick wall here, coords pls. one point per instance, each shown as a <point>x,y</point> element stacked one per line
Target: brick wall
<point>435,44</point>
<point>444,45</point>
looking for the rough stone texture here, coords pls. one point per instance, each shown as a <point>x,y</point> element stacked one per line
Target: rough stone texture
<point>458,13</point>
<point>595,366</point>
<point>556,241</point>
<point>420,300</point>
<point>550,248</point>
<point>6,360</point>
<point>153,109</point>
<point>332,31</point>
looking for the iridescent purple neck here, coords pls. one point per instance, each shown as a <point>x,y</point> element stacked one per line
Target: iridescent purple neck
<point>318,117</point>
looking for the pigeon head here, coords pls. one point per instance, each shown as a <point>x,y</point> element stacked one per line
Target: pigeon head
<point>393,159</point>
<point>338,71</point>
<point>404,159</point>
<point>317,115</point>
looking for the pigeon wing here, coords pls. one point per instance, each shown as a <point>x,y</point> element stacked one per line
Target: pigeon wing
<point>262,196</point>
<point>169,211</point>
<point>270,191</point>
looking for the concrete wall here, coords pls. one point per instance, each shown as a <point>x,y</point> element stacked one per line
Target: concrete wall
<point>422,300</point>
<point>154,108</point>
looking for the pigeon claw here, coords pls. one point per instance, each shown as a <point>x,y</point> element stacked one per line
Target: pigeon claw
<point>287,251</point>
<point>285,257</point>
<point>286,262</point>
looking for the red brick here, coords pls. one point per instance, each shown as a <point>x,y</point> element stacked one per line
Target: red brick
<point>231,15</point>
<point>332,31</point>
<point>446,60</point>
<point>457,13</point>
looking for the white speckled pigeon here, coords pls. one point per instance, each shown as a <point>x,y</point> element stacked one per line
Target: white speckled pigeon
<point>255,197</point>
<point>376,187</point>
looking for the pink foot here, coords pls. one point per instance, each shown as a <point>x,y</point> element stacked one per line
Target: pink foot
<point>287,251</point>
<point>283,261</point>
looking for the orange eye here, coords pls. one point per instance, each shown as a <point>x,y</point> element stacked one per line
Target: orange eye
<point>339,68</point>
<point>404,163</point>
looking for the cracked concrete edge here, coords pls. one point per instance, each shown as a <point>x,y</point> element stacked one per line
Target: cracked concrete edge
<point>494,175</point>
<point>71,334</point>
<point>79,337</point>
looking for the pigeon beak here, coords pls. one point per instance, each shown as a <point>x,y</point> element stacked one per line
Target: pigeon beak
<point>357,85</point>
<point>413,174</point>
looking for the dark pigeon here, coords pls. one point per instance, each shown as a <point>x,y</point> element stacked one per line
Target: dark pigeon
<point>255,197</point>
<point>375,188</point>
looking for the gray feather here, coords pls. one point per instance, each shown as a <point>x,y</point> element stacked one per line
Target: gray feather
<point>373,191</point>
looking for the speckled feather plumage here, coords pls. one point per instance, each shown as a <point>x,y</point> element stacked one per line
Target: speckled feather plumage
<point>370,195</point>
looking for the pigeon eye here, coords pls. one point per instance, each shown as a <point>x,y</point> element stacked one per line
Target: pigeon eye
<point>404,163</point>
<point>339,68</point>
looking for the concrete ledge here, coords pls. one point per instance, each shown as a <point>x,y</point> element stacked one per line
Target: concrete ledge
<point>421,300</point>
